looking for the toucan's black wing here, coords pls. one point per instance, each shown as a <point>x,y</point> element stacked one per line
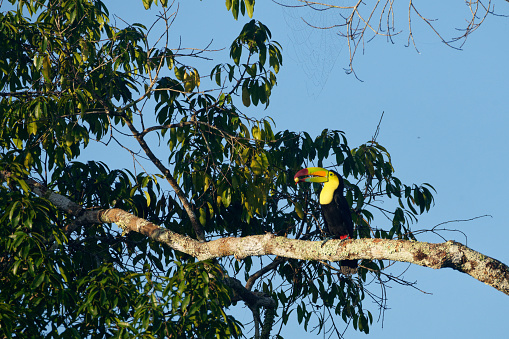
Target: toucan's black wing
<point>338,221</point>
<point>337,217</point>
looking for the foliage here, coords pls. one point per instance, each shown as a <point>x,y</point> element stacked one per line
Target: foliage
<point>69,78</point>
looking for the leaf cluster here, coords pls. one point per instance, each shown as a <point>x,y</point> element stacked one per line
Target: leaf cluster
<point>68,79</point>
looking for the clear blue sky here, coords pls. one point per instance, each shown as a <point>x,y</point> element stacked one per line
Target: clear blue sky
<point>446,122</point>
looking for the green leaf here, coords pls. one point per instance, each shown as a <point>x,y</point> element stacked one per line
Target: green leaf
<point>180,72</point>
<point>38,60</point>
<point>218,76</point>
<point>185,302</point>
<point>147,196</point>
<point>147,3</point>
<point>235,9</point>
<point>18,143</point>
<point>37,111</point>
<point>242,7</point>
<point>203,216</point>
<point>63,273</point>
<point>32,128</point>
<point>259,164</point>
<point>189,81</point>
<point>15,267</point>
<point>245,96</point>
<point>250,7</point>
<point>262,54</point>
<point>196,306</point>
<point>226,197</point>
<point>46,68</point>
<point>299,211</point>
<point>256,132</point>
<point>196,80</point>
<point>37,282</point>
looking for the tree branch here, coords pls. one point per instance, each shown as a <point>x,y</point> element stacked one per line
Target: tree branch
<point>252,279</point>
<point>200,234</point>
<point>449,254</point>
<point>354,22</point>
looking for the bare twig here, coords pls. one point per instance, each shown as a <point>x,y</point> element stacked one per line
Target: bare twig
<point>355,21</point>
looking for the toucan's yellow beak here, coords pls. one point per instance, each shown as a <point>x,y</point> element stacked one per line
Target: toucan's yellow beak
<point>312,174</point>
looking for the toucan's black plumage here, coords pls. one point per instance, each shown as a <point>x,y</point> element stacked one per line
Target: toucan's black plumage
<point>339,221</point>
<point>337,213</point>
<point>335,208</point>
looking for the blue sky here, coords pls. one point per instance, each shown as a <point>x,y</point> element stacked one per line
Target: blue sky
<point>445,123</point>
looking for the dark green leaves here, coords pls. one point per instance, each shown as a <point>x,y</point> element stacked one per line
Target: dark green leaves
<point>257,81</point>
<point>240,5</point>
<point>69,77</point>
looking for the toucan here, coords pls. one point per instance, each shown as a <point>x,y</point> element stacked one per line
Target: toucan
<point>335,208</point>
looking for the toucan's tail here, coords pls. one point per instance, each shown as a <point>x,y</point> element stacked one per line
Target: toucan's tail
<point>349,267</point>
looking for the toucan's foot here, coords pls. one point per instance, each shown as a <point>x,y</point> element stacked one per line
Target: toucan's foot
<point>340,238</point>
<point>327,239</point>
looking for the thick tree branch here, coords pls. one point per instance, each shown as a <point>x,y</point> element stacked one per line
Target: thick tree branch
<point>449,254</point>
